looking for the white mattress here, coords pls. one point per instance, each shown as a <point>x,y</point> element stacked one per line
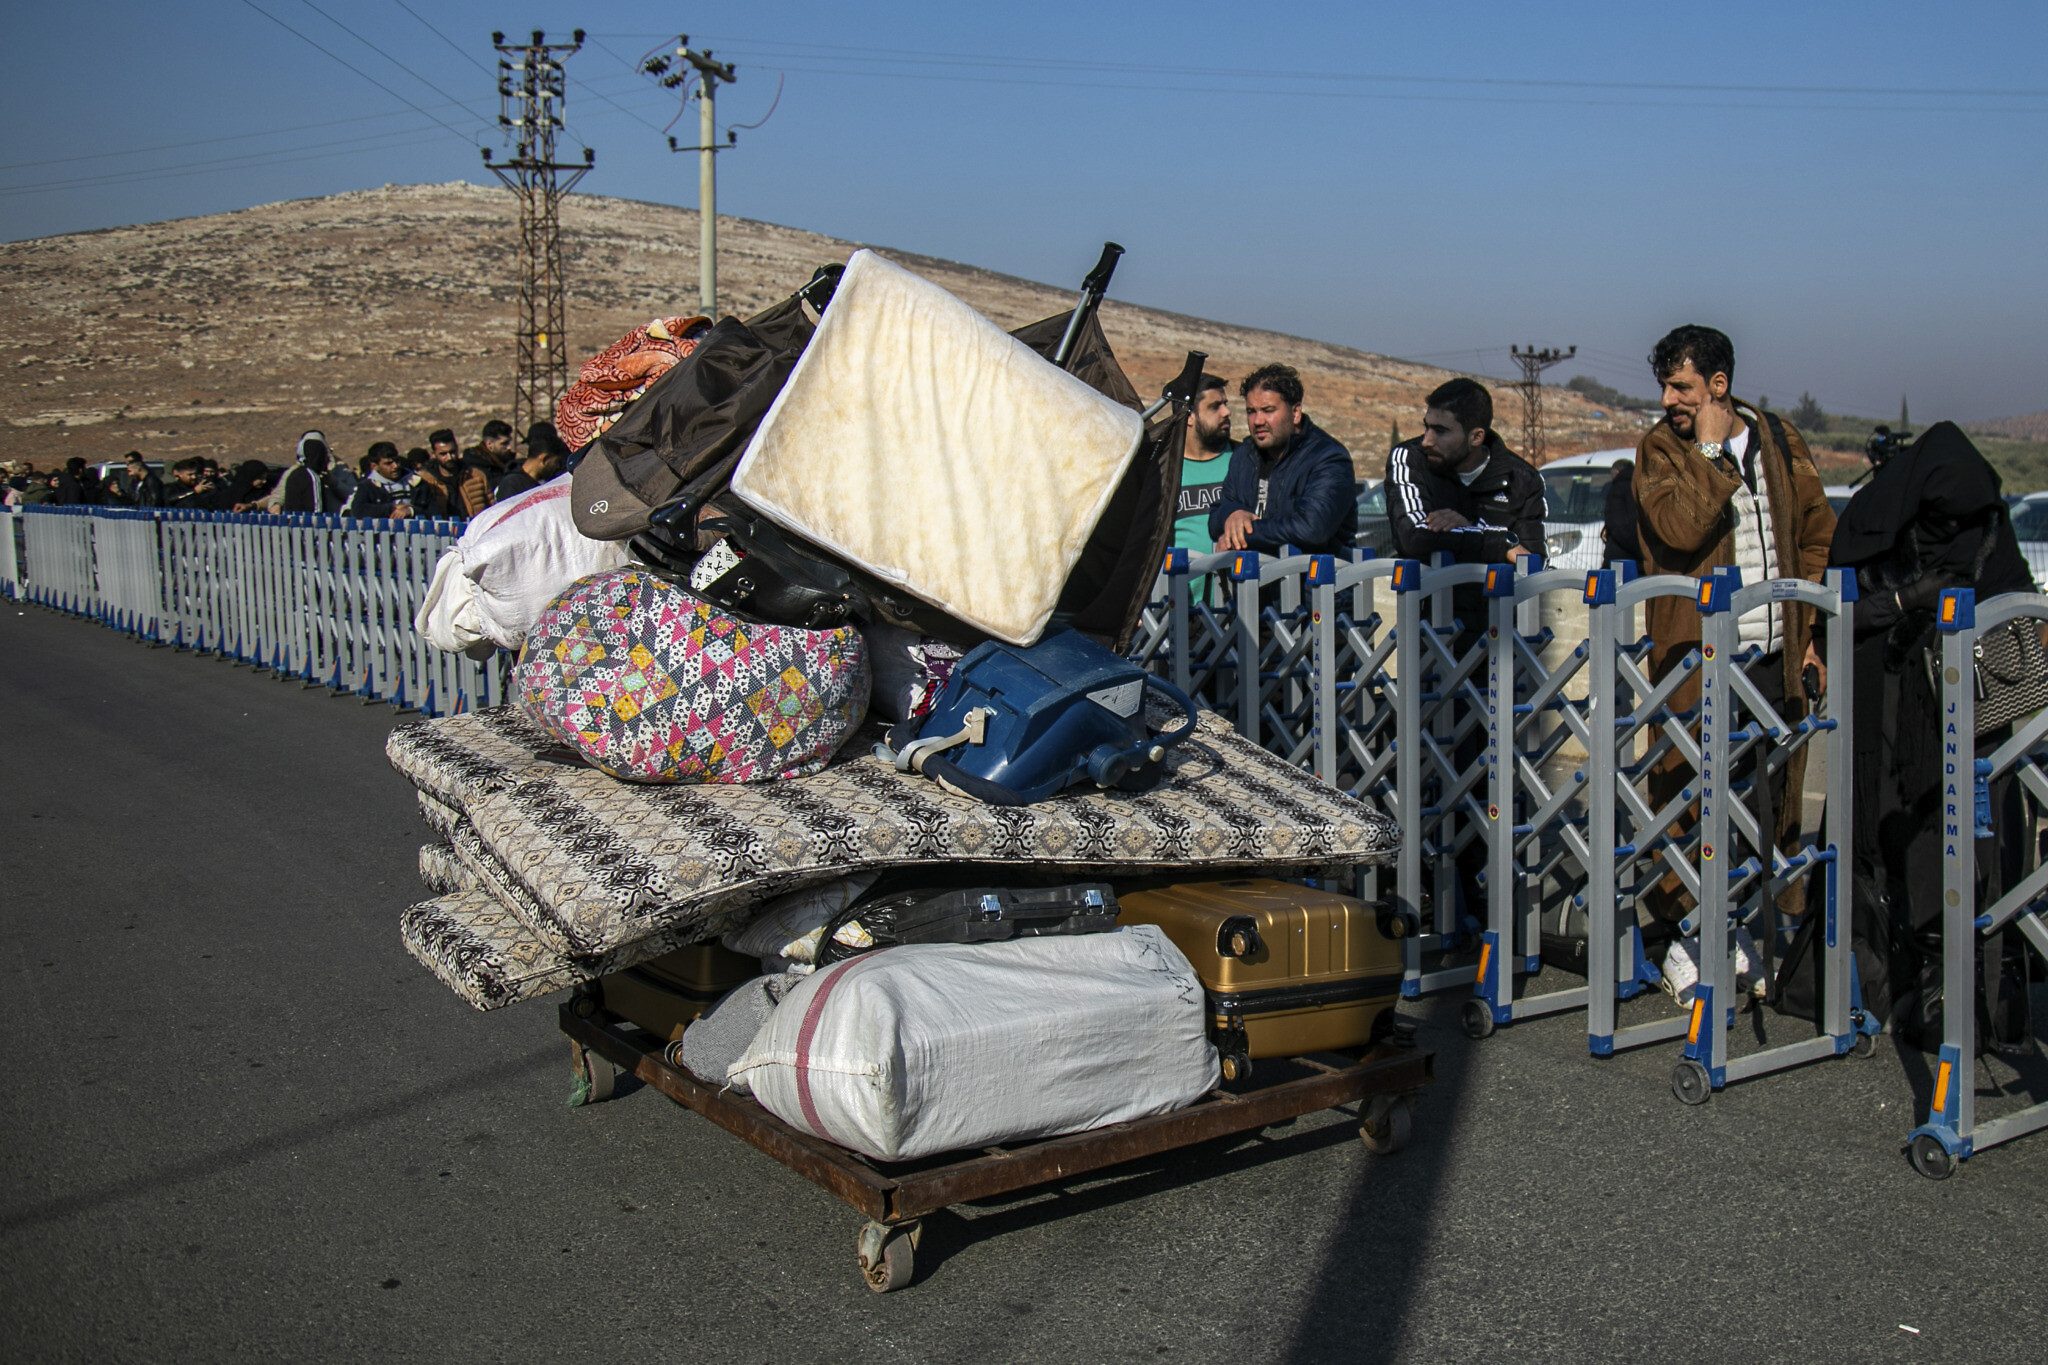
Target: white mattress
<point>923,443</point>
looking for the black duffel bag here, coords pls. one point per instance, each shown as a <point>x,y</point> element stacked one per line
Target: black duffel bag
<point>677,444</point>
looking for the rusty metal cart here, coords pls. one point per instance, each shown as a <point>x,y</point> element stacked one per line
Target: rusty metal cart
<point>895,1197</point>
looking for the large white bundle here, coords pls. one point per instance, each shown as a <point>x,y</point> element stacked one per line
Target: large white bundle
<point>928,1048</point>
<point>925,444</point>
<point>512,560</point>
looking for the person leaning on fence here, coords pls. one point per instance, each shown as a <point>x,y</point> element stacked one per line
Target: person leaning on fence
<point>1203,464</point>
<point>1932,517</point>
<point>385,491</point>
<point>76,486</point>
<point>448,488</point>
<point>546,456</point>
<point>1717,483</point>
<point>138,484</point>
<point>1289,483</point>
<point>484,463</point>
<point>192,489</point>
<point>309,484</point>
<point>1457,488</point>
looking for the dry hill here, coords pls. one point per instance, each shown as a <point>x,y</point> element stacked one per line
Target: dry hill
<point>384,313</point>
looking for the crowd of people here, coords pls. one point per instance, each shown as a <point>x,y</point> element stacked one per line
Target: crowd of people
<point>437,480</point>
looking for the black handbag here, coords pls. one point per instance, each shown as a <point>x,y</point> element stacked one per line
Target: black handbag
<point>2012,673</point>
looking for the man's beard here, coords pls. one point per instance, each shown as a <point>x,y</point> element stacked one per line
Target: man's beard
<point>1681,422</point>
<point>1214,439</point>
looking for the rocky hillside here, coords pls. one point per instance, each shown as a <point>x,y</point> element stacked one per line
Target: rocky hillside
<point>382,314</point>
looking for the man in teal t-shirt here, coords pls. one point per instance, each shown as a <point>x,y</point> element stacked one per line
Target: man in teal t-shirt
<point>1205,459</point>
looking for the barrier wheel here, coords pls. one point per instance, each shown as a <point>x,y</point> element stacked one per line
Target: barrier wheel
<point>887,1256</point>
<point>1389,1123</point>
<point>1930,1158</point>
<point>1865,1045</point>
<point>1478,1019</point>
<point>1690,1082</point>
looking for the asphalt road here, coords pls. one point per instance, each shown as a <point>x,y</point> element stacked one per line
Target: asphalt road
<point>240,1122</point>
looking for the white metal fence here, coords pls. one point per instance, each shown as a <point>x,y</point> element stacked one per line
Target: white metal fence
<point>329,600</point>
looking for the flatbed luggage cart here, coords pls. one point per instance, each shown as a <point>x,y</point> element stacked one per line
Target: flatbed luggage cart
<point>1952,1131</point>
<point>895,1197</point>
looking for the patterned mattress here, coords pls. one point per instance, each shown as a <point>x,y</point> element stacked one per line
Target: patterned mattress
<point>554,873</point>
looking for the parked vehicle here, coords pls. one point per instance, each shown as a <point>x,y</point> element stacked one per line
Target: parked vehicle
<point>1375,532</point>
<point>1575,489</point>
<point>2030,527</point>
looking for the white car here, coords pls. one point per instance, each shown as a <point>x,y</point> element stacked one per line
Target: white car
<point>2030,527</point>
<point>1575,489</point>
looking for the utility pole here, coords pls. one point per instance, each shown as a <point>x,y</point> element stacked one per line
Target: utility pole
<point>709,74</point>
<point>1534,363</point>
<point>532,94</point>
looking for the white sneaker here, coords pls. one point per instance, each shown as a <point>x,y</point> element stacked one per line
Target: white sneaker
<point>1750,975</point>
<point>1682,969</point>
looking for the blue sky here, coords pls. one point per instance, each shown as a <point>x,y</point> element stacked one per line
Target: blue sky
<point>1853,192</point>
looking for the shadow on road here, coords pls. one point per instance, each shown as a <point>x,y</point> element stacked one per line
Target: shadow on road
<point>285,1140</point>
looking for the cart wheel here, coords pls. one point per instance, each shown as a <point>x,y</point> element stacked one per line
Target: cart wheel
<point>1389,1123</point>
<point>1930,1158</point>
<point>1478,1019</point>
<point>1865,1045</point>
<point>887,1255</point>
<point>593,1075</point>
<point>1690,1082</point>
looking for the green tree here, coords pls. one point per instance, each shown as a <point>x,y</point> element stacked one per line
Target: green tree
<point>1808,414</point>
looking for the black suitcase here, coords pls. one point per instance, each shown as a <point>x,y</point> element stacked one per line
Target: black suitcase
<point>977,914</point>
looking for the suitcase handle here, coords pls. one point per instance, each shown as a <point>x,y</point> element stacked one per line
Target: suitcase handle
<point>1238,936</point>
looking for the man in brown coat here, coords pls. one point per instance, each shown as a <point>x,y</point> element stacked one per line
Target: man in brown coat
<point>1718,482</point>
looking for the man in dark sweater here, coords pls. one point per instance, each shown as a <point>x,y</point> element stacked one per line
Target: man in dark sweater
<point>1457,488</point>
<point>1290,482</point>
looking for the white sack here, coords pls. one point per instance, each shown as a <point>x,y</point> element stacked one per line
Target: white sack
<point>789,927</point>
<point>925,444</point>
<point>513,559</point>
<point>935,1047</point>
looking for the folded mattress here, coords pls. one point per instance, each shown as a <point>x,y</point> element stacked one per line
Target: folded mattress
<point>591,869</point>
<point>923,443</point>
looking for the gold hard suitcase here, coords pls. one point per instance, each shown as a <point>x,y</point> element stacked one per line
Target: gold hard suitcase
<point>664,994</point>
<point>1288,969</point>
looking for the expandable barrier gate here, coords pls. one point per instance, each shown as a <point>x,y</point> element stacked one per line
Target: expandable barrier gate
<point>1482,782</point>
<point>1952,1132</point>
<point>326,599</point>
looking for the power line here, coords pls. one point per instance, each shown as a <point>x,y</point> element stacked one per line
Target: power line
<point>385,55</point>
<point>931,57</point>
<point>405,138</point>
<point>444,37</point>
<point>357,69</point>
<point>277,132</point>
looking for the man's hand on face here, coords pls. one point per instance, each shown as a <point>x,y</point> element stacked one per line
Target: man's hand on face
<point>1444,519</point>
<point>1236,527</point>
<point>1715,423</point>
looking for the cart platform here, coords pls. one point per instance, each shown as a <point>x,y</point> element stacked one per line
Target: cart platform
<point>895,1195</point>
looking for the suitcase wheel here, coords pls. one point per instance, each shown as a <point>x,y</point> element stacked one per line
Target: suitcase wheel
<point>1389,1123</point>
<point>888,1255</point>
<point>1235,1066</point>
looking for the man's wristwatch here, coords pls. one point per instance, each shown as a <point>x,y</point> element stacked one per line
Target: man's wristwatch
<point>1710,449</point>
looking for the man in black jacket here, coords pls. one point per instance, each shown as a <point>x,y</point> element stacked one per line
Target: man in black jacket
<point>1290,482</point>
<point>1457,488</point>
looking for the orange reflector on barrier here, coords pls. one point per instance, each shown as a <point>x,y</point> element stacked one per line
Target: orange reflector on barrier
<point>1699,1012</point>
<point>1941,1090</point>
